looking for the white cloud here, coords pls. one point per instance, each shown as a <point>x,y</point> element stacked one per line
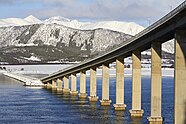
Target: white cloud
<point>109,9</point>
<point>135,10</point>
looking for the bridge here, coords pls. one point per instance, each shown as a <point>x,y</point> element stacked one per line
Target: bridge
<point>171,26</point>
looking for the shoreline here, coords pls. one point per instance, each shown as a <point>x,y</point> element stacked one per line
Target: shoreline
<point>166,72</point>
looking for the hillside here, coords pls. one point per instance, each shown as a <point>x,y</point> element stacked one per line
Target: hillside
<point>59,39</point>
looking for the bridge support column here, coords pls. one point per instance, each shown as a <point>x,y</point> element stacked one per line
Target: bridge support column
<point>66,85</point>
<point>136,110</point>
<point>93,97</point>
<point>82,93</point>
<point>59,85</point>
<point>156,84</point>
<point>45,85</point>
<point>120,85</point>
<point>54,84</point>
<point>73,91</point>
<point>180,78</point>
<point>49,85</point>
<point>105,85</point>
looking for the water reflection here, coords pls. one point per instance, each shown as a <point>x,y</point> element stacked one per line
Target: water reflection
<point>136,120</point>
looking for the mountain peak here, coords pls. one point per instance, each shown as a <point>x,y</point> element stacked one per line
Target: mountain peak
<point>32,19</point>
<point>57,19</point>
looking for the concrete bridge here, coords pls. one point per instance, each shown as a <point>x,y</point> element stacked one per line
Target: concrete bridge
<point>171,26</point>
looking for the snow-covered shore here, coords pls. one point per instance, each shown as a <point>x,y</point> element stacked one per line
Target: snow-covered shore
<point>49,69</point>
<point>27,80</point>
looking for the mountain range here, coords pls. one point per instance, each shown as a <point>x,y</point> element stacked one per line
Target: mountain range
<point>59,39</point>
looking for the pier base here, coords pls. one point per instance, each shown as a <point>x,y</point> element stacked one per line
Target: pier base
<point>66,91</point>
<point>45,86</point>
<point>59,89</point>
<point>155,120</point>
<point>105,102</point>
<point>48,86</point>
<point>119,107</point>
<point>93,98</point>
<point>54,88</point>
<point>82,95</point>
<point>73,93</point>
<point>136,113</point>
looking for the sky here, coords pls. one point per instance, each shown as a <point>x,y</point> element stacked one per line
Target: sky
<point>143,12</point>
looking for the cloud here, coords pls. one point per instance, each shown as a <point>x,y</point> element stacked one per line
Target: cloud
<point>132,10</point>
<point>6,2</point>
<point>107,9</point>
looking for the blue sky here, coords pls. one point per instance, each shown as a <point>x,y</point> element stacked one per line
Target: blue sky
<point>139,11</point>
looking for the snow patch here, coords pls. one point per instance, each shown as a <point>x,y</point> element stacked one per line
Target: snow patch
<point>32,58</point>
<point>32,19</point>
<point>19,22</point>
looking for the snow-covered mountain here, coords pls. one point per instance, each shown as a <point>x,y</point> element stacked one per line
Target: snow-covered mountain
<point>60,39</point>
<point>19,22</point>
<point>54,42</point>
<point>32,20</point>
<point>125,27</point>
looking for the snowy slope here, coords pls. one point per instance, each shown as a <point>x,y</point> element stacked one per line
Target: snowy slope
<point>32,20</point>
<point>125,27</point>
<point>168,46</point>
<point>19,22</point>
<point>13,22</point>
<point>54,42</point>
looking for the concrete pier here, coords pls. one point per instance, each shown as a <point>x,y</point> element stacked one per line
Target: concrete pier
<point>136,110</point>
<point>180,78</point>
<point>59,85</point>
<point>66,84</point>
<point>82,93</point>
<point>73,91</point>
<point>49,85</point>
<point>119,85</point>
<point>105,85</point>
<point>156,84</point>
<point>54,84</point>
<point>93,86</point>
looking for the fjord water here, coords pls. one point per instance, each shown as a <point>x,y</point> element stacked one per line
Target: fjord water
<point>23,105</point>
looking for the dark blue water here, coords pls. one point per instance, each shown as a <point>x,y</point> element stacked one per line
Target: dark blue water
<point>22,105</point>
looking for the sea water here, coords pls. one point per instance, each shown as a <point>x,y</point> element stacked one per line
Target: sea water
<point>23,105</point>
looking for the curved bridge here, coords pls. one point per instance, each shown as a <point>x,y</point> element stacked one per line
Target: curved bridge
<point>171,26</point>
